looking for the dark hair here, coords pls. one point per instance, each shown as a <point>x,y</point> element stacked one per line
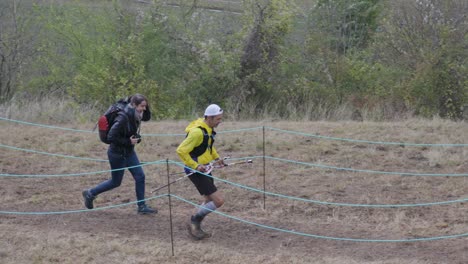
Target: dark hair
<point>136,99</point>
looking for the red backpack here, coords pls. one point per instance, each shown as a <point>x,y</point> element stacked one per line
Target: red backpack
<point>106,121</point>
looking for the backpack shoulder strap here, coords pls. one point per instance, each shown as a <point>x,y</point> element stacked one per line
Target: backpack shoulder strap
<point>200,149</point>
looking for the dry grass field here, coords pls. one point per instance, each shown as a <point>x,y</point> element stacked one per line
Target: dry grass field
<point>119,235</point>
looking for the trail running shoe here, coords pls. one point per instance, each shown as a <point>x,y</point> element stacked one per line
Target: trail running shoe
<point>144,209</point>
<point>194,229</point>
<point>88,199</point>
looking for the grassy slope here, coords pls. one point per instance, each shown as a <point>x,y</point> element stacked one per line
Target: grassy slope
<point>119,235</point>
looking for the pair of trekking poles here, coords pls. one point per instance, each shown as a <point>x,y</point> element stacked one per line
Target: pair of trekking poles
<point>210,168</point>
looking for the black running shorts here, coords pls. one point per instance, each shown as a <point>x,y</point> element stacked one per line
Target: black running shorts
<point>205,185</point>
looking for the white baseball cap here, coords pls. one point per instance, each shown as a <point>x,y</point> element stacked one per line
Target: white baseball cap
<point>213,110</point>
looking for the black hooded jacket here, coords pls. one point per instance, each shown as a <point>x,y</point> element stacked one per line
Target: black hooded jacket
<point>125,126</point>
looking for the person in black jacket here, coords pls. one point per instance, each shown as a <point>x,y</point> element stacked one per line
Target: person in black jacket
<point>123,136</point>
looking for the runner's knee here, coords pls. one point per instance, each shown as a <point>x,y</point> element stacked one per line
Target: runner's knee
<point>219,202</point>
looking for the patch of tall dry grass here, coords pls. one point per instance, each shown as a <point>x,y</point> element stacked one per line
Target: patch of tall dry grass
<point>49,110</point>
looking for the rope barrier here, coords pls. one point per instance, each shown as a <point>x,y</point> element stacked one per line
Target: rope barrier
<point>256,128</point>
<point>368,141</point>
<point>370,171</point>
<point>243,221</point>
<point>332,203</point>
<point>90,131</point>
<point>268,157</point>
<point>250,188</point>
<point>51,154</point>
<point>220,132</point>
<point>77,174</point>
<point>254,189</point>
<point>239,130</point>
<point>46,126</point>
<point>82,210</point>
<point>255,157</point>
<point>57,155</point>
<point>321,236</point>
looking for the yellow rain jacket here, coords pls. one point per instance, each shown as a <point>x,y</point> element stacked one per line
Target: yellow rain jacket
<point>193,140</point>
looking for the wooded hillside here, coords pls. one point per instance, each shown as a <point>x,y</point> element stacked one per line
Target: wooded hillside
<point>322,59</point>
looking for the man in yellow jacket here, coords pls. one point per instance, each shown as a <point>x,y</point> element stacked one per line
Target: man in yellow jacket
<point>197,151</point>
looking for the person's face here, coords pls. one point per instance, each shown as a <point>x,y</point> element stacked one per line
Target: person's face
<point>141,107</point>
<point>214,121</point>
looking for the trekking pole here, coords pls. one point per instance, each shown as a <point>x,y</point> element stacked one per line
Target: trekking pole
<point>235,163</point>
<point>172,182</point>
<point>240,162</point>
